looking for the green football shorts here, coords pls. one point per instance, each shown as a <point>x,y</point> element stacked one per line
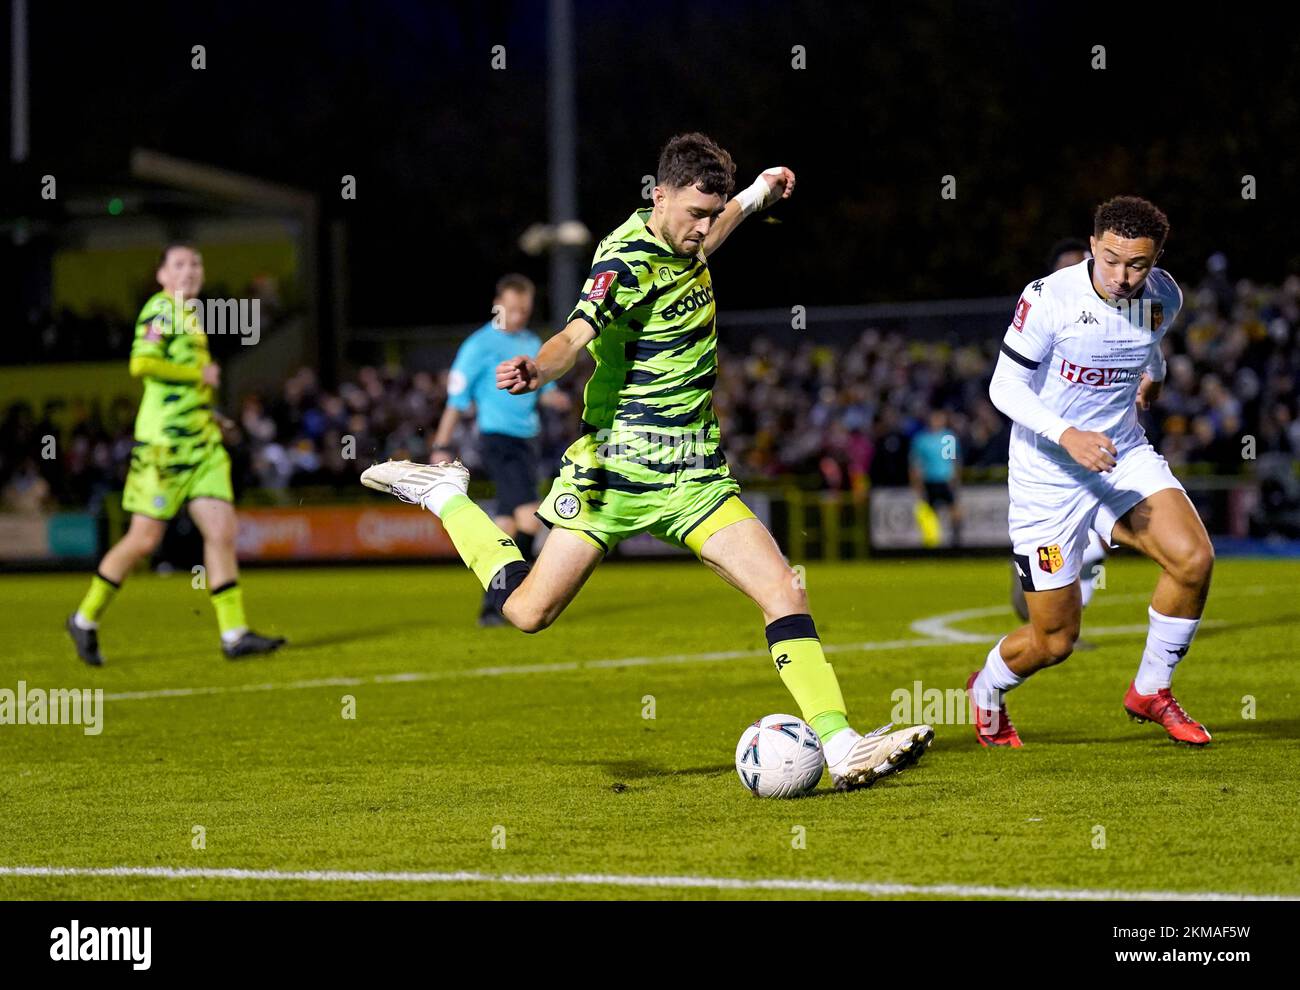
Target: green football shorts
<point>159,481</point>
<point>605,501</point>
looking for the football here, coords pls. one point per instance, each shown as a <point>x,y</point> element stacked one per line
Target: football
<point>779,756</point>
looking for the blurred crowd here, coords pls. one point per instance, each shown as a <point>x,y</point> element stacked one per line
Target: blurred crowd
<point>834,416</point>
<point>103,334</point>
<point>848,414</point>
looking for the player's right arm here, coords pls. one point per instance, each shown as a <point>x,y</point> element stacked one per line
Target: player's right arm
<point>153,331</point>
<point>612,288</point>
<point>526,374</point>
<point>1028,342</point>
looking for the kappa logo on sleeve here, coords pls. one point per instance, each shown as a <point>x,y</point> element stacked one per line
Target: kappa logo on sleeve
<point>600,286</point>
<point>1022,312</point>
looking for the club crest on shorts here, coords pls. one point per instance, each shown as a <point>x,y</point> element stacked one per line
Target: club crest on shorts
<point>1050,559</point>
<point>567,506</point>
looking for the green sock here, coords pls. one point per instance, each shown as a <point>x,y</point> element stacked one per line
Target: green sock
<point>228,602</point>
<point>797,653</point>
<point>98,598</point>
<point>481,543</point>
<point>828,723</point>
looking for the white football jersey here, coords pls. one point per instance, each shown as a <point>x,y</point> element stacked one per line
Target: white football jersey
<point>1088,356</point>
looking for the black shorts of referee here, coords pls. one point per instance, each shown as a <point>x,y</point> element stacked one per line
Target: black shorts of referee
<point>511,463</point>
<point>939,494</point>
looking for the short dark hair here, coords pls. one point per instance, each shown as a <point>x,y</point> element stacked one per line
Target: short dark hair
<point>1064,246</point>
<point>169,248</point>
<point>1131,216</point>
<point>695,159</point>
<point>515,281</point>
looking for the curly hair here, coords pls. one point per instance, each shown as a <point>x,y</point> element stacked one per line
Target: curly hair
<point>1131,217</point>
<point>695,159</point>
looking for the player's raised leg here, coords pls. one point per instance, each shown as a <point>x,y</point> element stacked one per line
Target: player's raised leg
<point>215,519</point>
<point>1047,639</point>
<point>556,577</point>
<point>1165,527</point>
<point>140,541</point>
<point>744,554</point>
<point>530,598</point>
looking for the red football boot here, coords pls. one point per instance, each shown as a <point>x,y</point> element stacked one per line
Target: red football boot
<point>1163,708</point>
<point>992,728</point>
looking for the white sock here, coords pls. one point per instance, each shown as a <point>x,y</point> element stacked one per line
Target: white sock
<point>232,635</point>
<point>81,622</point>
<point>1093,554</point>
<point>1086,587</point>
<point>994,679</point>
<point>438,496</point>
<point>1168,640</point>
<point>837,746</point>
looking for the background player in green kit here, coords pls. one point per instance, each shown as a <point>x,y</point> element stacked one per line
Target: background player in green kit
<point>178,458</point>
<point>650,458</point>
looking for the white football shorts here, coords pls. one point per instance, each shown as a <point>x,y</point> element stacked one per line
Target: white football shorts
<point>1049,520</point>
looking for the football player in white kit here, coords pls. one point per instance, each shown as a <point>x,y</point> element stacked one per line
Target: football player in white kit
<point>1066,252</point>
<point>1081,356</point>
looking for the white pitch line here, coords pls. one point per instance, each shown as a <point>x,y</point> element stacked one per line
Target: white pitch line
<point>616,880</point>
<point>938,626</point>
<point>935,630</point>
<point>419,676</point>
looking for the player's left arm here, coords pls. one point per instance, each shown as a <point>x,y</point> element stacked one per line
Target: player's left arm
<point>1153,375</point>
<point>773,185</point>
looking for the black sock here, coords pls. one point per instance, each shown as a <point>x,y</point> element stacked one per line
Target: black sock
<point>524,541</point>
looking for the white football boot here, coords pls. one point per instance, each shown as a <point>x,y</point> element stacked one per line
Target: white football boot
<point>413,482</point>
<point>878,754</point>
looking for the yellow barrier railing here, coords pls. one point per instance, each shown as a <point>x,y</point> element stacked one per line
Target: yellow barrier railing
<point>826,525</point>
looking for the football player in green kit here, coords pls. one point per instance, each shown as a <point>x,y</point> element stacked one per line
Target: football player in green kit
<point>650,457</point>
<point>178,459</point>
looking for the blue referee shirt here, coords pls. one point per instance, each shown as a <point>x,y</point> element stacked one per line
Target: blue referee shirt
<point>927,456</point>
<point>473,380</point>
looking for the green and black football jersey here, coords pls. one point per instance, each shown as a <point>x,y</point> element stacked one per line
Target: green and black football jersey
<point>177,413</point>
<point>656,353</point>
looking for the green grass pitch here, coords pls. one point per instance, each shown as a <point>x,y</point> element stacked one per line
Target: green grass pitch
<point>557,763</point>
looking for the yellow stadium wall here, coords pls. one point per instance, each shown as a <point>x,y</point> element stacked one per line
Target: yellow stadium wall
<point>86,382</point>
<point>120,280</point>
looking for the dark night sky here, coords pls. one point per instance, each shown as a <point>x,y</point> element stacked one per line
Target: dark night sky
<point>450,156</point>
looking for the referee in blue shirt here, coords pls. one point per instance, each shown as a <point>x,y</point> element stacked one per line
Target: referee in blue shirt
<point>507,424</point>
<point>934,468</point>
